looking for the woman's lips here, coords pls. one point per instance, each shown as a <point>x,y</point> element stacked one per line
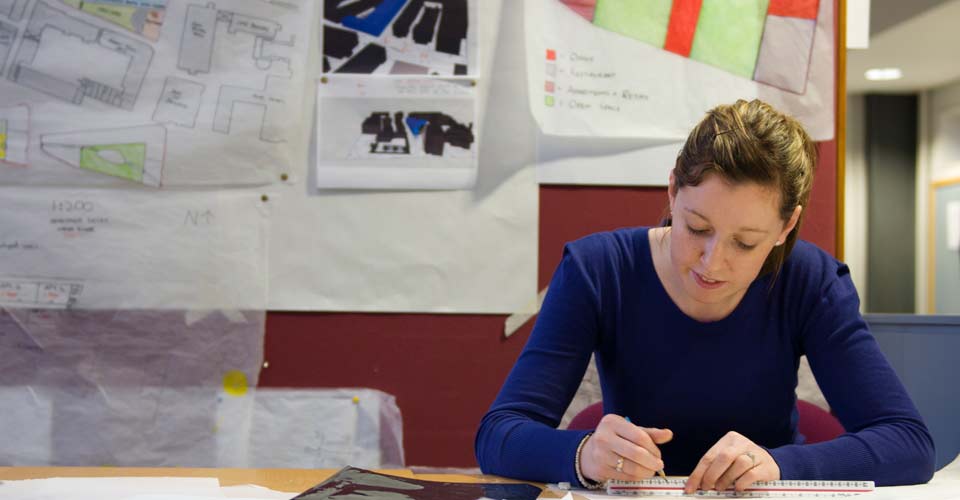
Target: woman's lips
<point>705,282</point>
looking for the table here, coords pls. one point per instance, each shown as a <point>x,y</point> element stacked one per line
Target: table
<point>288,480</point>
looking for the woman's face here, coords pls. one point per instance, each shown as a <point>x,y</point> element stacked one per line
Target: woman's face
<point>721,236</point>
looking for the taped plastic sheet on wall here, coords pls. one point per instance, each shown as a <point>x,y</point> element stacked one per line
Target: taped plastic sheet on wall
<point>172,388</point>
<point>124,388</point>
<point>311,429</point>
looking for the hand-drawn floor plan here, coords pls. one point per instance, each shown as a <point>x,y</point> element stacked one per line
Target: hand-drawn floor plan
<point>143,17</point>
<point>193,92</point>
<point>135,153</point>
<point>107,66</point>
<point>15,135</point>
<point>271,54</point>
<point>13,9</point>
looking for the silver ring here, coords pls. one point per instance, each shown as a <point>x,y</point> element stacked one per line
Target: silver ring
<point>619,466</point>
<point>753,459</point>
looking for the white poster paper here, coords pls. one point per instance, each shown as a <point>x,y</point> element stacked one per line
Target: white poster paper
<point>396,133</point>
<point>99,488</point>
<point>110,249</point>
<point>437,251</point>
<point>607,161</point>
<point>619,69</point>
<point>151,92</point>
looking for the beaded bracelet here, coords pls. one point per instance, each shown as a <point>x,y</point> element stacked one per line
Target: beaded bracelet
<point>586,483</point>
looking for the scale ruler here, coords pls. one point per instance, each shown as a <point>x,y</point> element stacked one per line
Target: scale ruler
<point>767,489</point>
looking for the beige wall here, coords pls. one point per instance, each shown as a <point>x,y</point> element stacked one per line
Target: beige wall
<point>855,198</point>
<point>939,159</point>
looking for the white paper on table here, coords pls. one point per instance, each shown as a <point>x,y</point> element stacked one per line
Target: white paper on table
<point>62,488</point>
<point>396,133</point>
<point>108,249</point>
<point>154,496</point>
<point>202,100</point>
<point>953,225</point>
<point>602,83</point>
<point>256,491</point>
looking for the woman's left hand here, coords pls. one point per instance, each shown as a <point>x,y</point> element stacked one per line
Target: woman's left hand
<point>734,460</point>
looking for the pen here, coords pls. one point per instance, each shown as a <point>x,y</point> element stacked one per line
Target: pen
<point>659,472</point>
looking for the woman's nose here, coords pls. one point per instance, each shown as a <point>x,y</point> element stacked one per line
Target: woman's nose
<point>712,256</point>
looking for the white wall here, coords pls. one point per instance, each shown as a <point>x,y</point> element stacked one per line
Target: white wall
<point>938,159</point>
<point>855,197</point>
<point>944,124</point>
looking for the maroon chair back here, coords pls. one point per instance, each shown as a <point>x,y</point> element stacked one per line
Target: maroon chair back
<point>817,424</point>
<point>588,418</point>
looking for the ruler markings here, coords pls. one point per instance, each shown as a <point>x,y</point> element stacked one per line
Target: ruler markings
<point>674,487</point>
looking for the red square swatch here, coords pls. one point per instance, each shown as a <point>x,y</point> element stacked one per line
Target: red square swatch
<point>549,86</point>
<point>804,9</point>
<point>551,55</point>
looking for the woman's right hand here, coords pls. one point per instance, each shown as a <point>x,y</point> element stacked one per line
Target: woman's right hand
<point>620,450</point>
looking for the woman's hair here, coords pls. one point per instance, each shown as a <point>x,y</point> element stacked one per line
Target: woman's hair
<point>752,142</point>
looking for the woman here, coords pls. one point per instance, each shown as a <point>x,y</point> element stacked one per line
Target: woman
<point>698,328</point>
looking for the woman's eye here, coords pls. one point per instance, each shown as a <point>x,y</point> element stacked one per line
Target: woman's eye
<point>745,246</point>
<point>697,231</point>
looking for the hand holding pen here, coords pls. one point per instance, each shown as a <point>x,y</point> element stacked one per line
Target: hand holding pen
<point>660,470</point>
<point>618,449</point>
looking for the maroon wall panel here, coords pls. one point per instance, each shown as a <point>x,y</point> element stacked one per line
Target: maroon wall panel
<point>571,212</point>
<point>444,370</point>
<point>820,218</point>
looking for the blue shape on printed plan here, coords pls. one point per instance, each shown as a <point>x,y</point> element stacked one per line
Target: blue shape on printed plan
<point>375,22</point>
<point>415,124</point>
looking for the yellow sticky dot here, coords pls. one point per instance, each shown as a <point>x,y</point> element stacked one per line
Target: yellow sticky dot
<point>356,400</point>
<point>235,383</point>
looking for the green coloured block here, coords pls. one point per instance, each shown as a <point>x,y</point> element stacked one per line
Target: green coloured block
<point>549,101</point>
<point>728,34</point>
<point>119,160</point>
<point>643,20</point>
<point>117,14</point>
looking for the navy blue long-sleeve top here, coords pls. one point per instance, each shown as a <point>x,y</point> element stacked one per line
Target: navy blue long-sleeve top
<point>664,369</point>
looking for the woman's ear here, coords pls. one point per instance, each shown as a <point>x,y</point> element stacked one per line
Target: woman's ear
<point>792,223</point>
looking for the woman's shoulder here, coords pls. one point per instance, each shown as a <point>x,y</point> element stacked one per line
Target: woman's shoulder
<point>815,269</point>
<point>609,256</point>
<point>625,241</point>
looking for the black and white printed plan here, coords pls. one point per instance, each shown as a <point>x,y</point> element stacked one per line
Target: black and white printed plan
<point>154,93</point>
<point>400,37</point>
<point>396,133</point>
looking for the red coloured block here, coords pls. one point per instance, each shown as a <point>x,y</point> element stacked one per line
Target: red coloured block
<point>804,9</point>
